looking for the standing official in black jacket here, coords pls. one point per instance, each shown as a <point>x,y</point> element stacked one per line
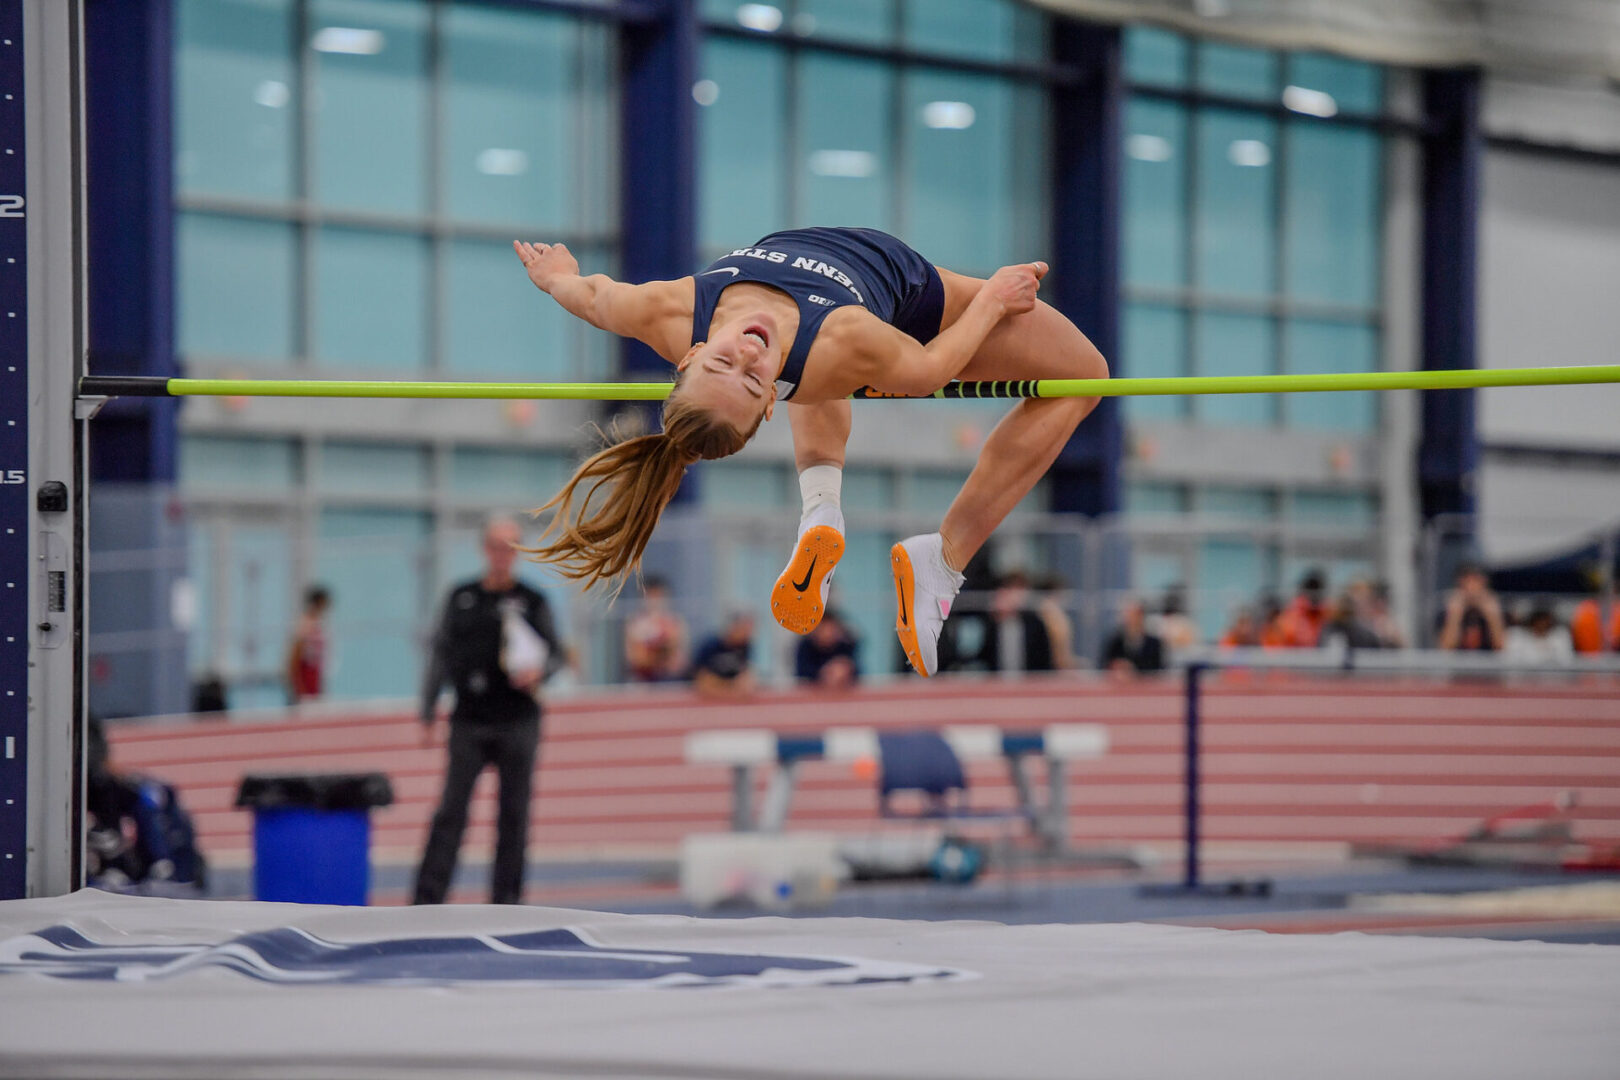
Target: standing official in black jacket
<point>495,644</point>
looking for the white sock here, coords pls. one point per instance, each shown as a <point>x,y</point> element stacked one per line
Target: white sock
<point>936,548</point>
<point>820,487</point>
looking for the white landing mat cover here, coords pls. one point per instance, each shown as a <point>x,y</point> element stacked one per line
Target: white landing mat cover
<point>94,985</point>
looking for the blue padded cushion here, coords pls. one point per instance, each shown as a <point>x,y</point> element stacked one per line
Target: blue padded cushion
<point>919,761</point>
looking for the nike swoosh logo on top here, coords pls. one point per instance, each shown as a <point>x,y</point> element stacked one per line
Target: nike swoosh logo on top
<point>805,584</point>
<point>732,270</point>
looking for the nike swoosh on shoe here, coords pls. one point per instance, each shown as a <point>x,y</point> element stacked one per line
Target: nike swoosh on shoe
<point>805,584</point>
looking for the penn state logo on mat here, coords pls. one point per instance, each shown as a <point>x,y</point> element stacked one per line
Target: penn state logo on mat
<point>548,958</point>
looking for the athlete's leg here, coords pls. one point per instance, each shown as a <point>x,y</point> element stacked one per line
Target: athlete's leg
<point>1040,344</point>
<point>820,433</point>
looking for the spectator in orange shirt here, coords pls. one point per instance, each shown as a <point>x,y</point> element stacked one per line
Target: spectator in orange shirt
<point>1586,626</point>
<point>1244,631</point>
<point>1271,630</point>
<point>1299,625</point>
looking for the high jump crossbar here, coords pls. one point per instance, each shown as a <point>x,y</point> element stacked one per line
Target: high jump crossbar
<point>104,386</point>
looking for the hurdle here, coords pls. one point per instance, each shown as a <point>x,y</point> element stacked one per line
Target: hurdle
<point>747,749</point>
<point>1206,662</point>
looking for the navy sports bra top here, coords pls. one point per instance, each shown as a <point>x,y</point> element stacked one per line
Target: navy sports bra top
<point>822,270</point>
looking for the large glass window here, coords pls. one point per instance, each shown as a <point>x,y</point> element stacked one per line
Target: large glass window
<point>1264,233</point>
<point>1156,161</point>
<point>512,116</point>
<point>1252,245</point>
<point>236,98</point>
<point>743,146</point>
<point>952,161</point>
<point>848,162</point>
<point>347,199</point>
<point>236,288</point>
<point>349,175</point>
<point>368,299</point>
<point>368,62</point>
<point>1332,222</point>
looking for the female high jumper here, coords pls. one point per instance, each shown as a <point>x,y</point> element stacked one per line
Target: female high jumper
<point>810,316</point>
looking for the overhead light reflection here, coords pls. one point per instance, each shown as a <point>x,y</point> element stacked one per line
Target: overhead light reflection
<point>1249,153</point>
<point>948,115</point>
<point>1149,148</point>
<point>705,92</point>
<point>347,39</point>
<point>271,94</point>
<point>1309,102</point>
<point>499,161</point>
<point>853,164</point>
<point>762,17</point>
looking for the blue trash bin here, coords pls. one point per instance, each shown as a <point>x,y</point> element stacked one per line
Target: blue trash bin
<point>312,835</point>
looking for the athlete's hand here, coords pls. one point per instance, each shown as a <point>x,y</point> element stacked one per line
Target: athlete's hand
<point>546,262</point>
<point>1014,287</point>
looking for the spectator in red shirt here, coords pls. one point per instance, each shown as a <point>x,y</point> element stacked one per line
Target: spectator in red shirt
<point>306,655</point>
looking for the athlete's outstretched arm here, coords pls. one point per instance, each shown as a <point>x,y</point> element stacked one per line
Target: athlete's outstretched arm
<point>820,433</point>
<point>888,360</point>
<point>651,313</point>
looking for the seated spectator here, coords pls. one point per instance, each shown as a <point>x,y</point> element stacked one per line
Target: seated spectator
<point>1017,639</point>
<point>1348,625</point>
<point>139,838</point>
<point>1174,628</point>
<point>1243,632</point>
<point>1299,625</point>
<point>655,642</point>
<point>1131,649</point>
<point>1586,626</point>
<point>1059,630</point>
<point>1271,628</point>
<point>1473,618</point>
<point>723,667</point>
<point>1540,640</point>
<point>1382,620</point>
<point>829,655</point>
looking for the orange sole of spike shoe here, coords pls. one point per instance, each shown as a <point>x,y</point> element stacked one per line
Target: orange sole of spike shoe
<point>796,596</point>
<point>905,597</point>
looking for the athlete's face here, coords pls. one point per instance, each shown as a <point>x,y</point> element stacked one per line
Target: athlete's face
<point>733,374</point>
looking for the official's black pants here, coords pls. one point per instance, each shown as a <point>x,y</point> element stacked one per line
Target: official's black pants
<point>511,747</point>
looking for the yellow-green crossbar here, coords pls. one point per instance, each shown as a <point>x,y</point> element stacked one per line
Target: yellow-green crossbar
<point>114,386</point>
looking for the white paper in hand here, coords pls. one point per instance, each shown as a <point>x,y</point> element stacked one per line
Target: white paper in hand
<point>523,652</point>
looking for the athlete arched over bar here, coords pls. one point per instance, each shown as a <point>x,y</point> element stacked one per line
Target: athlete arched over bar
<point>810,316</point>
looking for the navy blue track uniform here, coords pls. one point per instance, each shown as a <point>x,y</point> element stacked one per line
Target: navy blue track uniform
<point>826,269</point>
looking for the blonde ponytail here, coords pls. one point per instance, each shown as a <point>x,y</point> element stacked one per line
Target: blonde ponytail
<point>607,511</point>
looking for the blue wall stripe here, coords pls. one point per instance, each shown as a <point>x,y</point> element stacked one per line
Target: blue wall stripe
<point>14,479</point>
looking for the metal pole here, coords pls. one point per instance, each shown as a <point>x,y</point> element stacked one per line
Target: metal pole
<point>1194,675</point>
<point>742,798</point>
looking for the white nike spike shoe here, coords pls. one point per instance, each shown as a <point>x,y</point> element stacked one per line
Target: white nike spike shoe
<point>923,589</point>
<point>799,597</point>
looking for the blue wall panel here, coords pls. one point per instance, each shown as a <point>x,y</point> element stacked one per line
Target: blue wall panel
<point>14,486</point>
<point>1086,249</point>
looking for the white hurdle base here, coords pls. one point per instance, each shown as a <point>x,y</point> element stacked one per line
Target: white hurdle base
<point>775,871</point>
